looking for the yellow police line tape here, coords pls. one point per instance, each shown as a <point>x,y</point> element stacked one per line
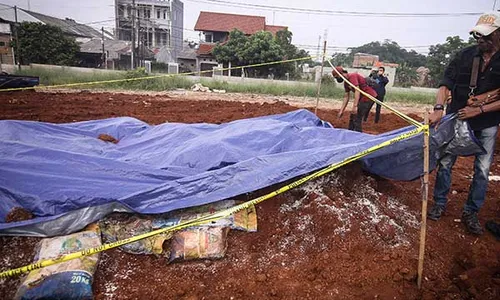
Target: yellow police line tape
<point>215,216</point>
<point>41,87</point>
<point>399,114</point>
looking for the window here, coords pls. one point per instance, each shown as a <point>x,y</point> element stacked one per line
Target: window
<point>147,13</point>
<point>209,38</point>
<point>2,44</point>
<point>158,14</point>
<point>164,14</point>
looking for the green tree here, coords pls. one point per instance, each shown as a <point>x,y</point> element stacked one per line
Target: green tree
<point>388,51</point>
<point>45,44</point>
<point>231,51</point>
<point>342,59</point>
<point>261,47</point>
<point>440,56</point>
<point>406,75</point>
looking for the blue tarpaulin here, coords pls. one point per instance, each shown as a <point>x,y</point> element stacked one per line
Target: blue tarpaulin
<point>68,178</point>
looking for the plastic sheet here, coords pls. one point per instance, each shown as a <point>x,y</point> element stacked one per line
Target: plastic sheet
<point>65,176</point>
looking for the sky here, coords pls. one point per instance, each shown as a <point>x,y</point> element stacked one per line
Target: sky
<point>341,31</point>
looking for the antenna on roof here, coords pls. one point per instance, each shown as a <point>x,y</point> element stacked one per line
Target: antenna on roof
<point>29,5</point>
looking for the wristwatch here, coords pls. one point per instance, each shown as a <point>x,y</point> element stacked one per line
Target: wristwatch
<point>438,107</point>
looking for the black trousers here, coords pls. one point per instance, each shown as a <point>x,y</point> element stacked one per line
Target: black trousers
<point>377,109</point>
<point>356,120</point>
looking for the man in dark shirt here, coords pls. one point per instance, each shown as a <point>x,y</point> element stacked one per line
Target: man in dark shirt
<point>483,119</point>
<point>381,81</point>
<point>361,103</point>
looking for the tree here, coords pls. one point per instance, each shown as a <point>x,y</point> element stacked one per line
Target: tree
<point>440,56</point>
<point>45,44</point>
<point>406,76</point>
<point>341,59</point>
<point>231,51</point>
<point>388,51</point>
<point>261,47</point>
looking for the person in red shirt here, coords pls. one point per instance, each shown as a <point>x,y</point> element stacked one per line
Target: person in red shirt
<point>361,104</point>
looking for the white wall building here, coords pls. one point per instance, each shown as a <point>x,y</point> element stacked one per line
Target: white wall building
<point>158,24</point>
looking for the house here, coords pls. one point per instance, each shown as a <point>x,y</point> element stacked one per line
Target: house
<point>187,58</point>
<point>215,28</point>
<point>118,54</point>
<point>80,32</point>
<point>158,25</point>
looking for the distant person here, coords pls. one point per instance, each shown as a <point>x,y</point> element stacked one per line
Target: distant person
<point>483,119</point>
<point>380,82</point>
<point>361,104</point>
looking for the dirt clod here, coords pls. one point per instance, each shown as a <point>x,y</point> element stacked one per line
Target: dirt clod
<point>18,214</point>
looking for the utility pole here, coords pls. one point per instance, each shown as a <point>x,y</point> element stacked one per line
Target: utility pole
<point>104,60</point>
<point>16,26</point>
<point>132,53</point>
<point>29,5</point>
<point>320,78</point>
<point>319,47</point>
<point>139,39</point>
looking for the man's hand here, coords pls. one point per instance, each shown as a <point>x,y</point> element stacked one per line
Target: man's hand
<point>435,117</point>
<point>354,109</point>
<point>339,115</point>
<point>468,112</point>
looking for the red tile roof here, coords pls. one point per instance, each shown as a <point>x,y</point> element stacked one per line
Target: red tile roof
<point>210,21</point>
<point>273,29</point>
<point>205,49</point>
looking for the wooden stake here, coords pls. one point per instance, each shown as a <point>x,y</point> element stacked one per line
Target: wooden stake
<point>319,81</point>
<point>425,195</point>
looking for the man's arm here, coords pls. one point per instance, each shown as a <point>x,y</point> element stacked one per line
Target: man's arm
<point>357,95</point>
<point>383,80</point>
<point>471,112</point>
<point>344,104</point>
<point>445,87</point>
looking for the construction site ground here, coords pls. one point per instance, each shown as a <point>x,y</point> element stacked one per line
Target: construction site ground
<point>348,235</point>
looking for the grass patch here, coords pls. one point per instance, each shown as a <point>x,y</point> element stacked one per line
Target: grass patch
<point>300,90</point>
<point>328,90</point>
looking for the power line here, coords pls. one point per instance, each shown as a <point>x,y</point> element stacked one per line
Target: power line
<point>332,12</point>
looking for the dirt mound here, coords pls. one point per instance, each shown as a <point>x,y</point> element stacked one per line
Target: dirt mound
<point>18,214</point>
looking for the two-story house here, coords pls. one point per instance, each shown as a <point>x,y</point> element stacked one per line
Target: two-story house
<point>215,27</point>
<point>158,24</point>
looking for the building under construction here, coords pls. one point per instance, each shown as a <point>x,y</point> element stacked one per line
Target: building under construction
<point>157,24</point>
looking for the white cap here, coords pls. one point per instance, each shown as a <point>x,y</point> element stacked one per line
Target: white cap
<point>487,23</point>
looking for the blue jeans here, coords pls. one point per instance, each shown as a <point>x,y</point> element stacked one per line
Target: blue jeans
<point>482,163</point>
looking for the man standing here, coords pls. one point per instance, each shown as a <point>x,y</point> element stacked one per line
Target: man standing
<point>361,103</point>
<point>466,81</point>
<point>381,81</point>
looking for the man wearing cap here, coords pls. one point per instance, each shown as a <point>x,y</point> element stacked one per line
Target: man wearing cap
<point>467,83</point>
<point>361,104</point>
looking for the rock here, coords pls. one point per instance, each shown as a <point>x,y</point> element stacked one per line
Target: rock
<point>345,256</point>
<point>397,277</point>
<point>463,277</point>
<point>386,258</point>
<point>404,271</point>
<point>260,277</point>
<point>311,276</point>
<point>454,192</point>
